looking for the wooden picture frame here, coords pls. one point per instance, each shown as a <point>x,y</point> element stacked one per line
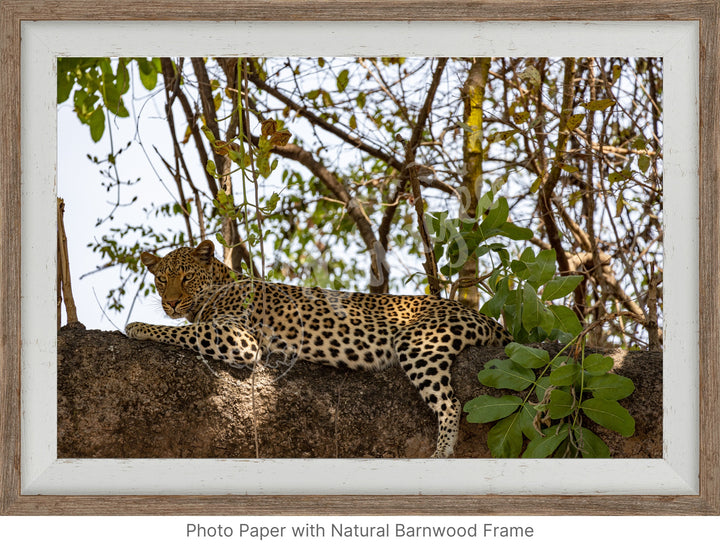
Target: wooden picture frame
<point>12,12</point>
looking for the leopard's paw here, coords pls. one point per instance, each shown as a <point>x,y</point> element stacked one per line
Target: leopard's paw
<point>135,330</point>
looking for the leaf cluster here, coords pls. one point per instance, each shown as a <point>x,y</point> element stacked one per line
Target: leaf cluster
<point>100,84</point>
<point>566,391</point>
<point>558,394</point>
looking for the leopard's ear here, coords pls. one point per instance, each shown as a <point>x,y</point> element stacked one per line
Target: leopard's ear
<point>150,261</point>
<point>204,252</point>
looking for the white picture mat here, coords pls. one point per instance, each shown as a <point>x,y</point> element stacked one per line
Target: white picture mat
<point>676,473</point>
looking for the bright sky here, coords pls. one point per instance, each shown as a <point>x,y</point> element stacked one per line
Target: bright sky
<point>86,201</point>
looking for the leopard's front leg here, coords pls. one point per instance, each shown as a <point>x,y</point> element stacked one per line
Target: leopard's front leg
<point>222,339</point>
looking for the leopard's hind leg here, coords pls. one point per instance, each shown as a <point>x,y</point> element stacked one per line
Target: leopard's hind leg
<point>426,351</point>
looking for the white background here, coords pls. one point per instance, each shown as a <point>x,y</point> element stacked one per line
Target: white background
<point>589,534</point>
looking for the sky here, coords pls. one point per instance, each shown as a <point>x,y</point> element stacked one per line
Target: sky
<point>86,200</point>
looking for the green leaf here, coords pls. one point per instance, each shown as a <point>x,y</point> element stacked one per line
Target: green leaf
<point>514,232</point>
<point>512,311</point>
<point>97,124</point>
<point>208,134</point>
<point>567,374</point>
<point>361,99</point>
<point>493,307</point>
<point>485,249</point>
<point>575,120</point>
<point>541,387</point>
<point>596,364</point>
<point>590,445</point>
<point>531,308</point>
<point>342,80</point>
<point>123,76</point>
<point>566,321</point>
<point>544,445</point>
<point>619,176</point>
<point>643,163</point>
<point>113,99</point>
<point>485,408</point>
<point>520,269</point>
<point>522,117</point>
<point>505,374</point>
<point>505,439</point>
<point>525,420</point>
<point>560,287</point>
<point>561,403</point>
<point>327,98</point>
<point>65,83</point>
<point>535,314</point>
<point>536,184</point>
<point>528,357</point>
<point>609,386</point>
<point>599,105</point>
<point>272,202</point>
<point>221,240</point>
<point>496,216</point>
<point>149,79</point>
<point>528,255</point>
<point>532,75</point>
<point>505,135</point>
<point>547,323</point>
<point>610,415</point>
<point>542,268</point>
<point>619,205</point>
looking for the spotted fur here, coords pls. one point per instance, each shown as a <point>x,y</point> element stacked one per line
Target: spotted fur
<point>240,320</point>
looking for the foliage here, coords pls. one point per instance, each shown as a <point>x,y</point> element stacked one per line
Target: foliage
<point>99,86</point>
<point>566,389</point>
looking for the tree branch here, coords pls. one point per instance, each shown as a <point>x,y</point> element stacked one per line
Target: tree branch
<point>551,178</point>
<point>237,252</point>
<point>325,125</point>
<point>410,170</point>
<point>379,267</point>
<point>172,82</point>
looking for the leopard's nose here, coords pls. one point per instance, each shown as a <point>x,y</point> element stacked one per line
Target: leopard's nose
<point>172,304</point>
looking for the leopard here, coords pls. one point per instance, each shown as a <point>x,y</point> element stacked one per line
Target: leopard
<point>239,320</point>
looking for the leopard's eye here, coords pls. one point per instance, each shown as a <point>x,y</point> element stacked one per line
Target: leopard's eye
<point>187,277</point>
<point>161,280</point>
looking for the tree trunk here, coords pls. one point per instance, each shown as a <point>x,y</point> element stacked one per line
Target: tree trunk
<point>121,398</point>
<point>473,94</point>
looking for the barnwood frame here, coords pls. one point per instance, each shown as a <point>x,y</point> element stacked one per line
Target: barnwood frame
<point>706,12</point>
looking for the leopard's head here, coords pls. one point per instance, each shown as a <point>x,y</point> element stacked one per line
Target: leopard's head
<point>182,274</point>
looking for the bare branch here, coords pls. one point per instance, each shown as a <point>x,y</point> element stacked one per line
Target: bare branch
<point>410,170</point>
<point>323,124</point>
<point>379,267</point>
